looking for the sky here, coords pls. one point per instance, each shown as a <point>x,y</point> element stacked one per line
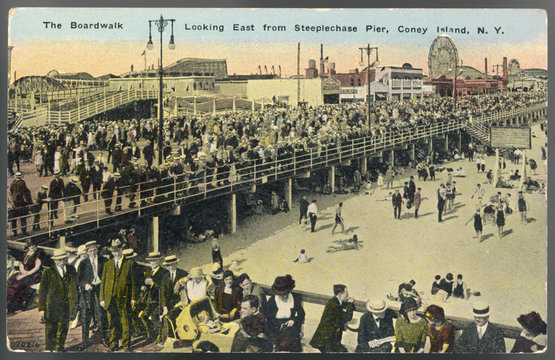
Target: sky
<point>398,33</point>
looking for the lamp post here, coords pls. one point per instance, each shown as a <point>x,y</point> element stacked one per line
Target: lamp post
<point>161,25</point>
<point>368,50</point>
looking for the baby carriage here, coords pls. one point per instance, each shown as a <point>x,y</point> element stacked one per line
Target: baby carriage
<point>188,330</point>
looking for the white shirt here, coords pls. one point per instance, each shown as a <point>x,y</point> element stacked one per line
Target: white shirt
<point>94,263</point>
<point>117,263</point>
<point>482,329</point>
<point>194,290</point>
<point>284,307</point>
<point>312,208</point>
<point>61,270</point>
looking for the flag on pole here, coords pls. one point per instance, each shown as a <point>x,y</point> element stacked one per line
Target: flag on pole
<point>144,52</point>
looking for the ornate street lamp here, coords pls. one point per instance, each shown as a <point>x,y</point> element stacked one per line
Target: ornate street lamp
<point>161,25</point>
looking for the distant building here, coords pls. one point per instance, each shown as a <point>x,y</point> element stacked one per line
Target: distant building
<point>387,83</point>
<point>180,86</point>
<point>194,66</point>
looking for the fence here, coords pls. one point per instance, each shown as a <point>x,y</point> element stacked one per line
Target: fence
<point>209,183</point>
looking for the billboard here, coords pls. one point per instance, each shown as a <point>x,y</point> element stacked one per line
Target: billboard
<point>508,137</point>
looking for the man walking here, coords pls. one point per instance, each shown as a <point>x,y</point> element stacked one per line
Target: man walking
<point>20,197</point>
<point>89,274</point>
<point>303,208</point>
<point>441,197</point>
<point>417,201</point>
<point>57,300</point>
<point>338,219</point>
<point>397,201</point>
<point>117,296</point>
<point>337,312</point>
<point>312,213</point>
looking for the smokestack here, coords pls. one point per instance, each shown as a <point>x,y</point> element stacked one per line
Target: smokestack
<point>321,58</point>
<point>265,69</point>
<point>273,70</point>
<point>486,66</point>
<point>259,69</point>
<point>505,69</point>
<point>279,68</point>
<point>131,67</point>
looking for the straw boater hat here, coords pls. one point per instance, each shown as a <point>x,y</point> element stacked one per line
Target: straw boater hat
<point>115,244</point>
<point>128,253</point>
<point>283,285</point>
<point>196,272</point>
<point>155,255</point>
<point>74,179</point>
<point>18,175</point>
<point>70,249</point>
<point>376,305</point>
<point>91,245</point>
<point>59,254</point>
<point>81,250</point>
<point>45,187</point>
<point>170,260</point>
<point>481,309</point>
<point>117,175</point>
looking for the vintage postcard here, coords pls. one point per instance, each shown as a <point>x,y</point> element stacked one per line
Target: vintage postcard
<point>277,180</point>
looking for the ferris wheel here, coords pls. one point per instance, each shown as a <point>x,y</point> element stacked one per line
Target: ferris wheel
<point>443,57</point>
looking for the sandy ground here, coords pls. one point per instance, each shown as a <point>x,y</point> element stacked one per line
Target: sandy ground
<point>510,273</point>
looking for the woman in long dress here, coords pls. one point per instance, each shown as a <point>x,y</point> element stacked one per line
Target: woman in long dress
<point>20,283</point>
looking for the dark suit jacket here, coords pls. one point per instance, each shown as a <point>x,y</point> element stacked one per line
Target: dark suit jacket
<point>85,273</point>
<point>161,285</point>
<point>396,199</point>
<point>56,190</point>
<point>57,296</point>
<point>368,329</point>
<point>118,286</point>
<point>330,330</point>
<point>174,298</point>
<point>491,342</point>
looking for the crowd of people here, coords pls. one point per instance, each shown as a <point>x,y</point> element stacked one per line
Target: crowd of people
<point>205,151</point>
<point>125,301</point>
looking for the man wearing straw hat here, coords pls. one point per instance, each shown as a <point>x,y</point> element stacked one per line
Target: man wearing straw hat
<point>173,298</point>
<point>55,193</point>
<point>88,275</point>
<point>57,300</point>
<point>117,296</point>
<point>157,288</point>
<point>72,194</point>
<point>376,331</point>
<point>481,336</point>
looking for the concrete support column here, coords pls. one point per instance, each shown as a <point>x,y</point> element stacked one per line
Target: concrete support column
<point>62,242</point>
<point>332,178</point>
<point>289,192</point>
<point>412,152</point>
<point>153,242</point>
<point>392,158</point>
<point>214,106</point>
<point>496,169</point>
<point>232,214</point>
<point>446,142</point>
<point>431,145</point>
<point>363,165</point>
<point>234,108</point>
<point>253,108</point>
<point>460,142</point>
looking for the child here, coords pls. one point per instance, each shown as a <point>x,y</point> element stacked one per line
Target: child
<point>208,326</point>
<point>302,257</point>
<point>354,241</point>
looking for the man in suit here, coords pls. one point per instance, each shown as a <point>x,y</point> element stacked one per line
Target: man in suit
<point>173,298</point>
<point>337,312</point>
<point>136,327</point>
<point>107,193</point>
<point>441,197</point>
<point>250,288</point>
<point>57,300</point>
<point>480,337</point>
<point>156,287</point>
<point>55,193</point>
<point>375,325</point>
<point>96,178</point>
<point>88,275</point>
<point>117,296</point>
<point>20,197</point>
<point>303,208</point>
